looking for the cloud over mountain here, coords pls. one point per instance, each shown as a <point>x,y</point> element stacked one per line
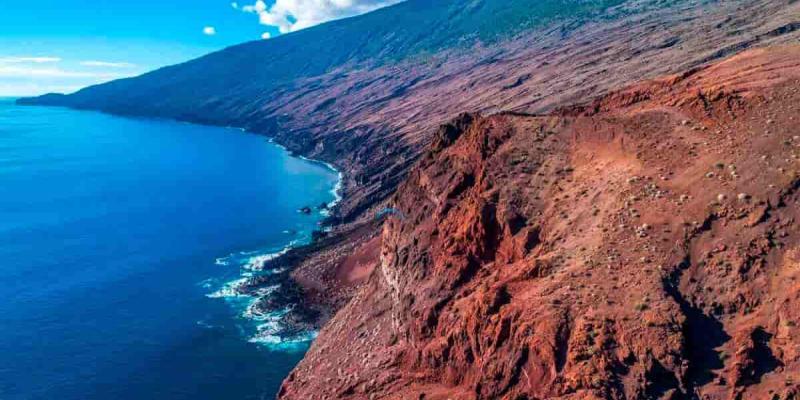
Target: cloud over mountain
<point>291,15</point>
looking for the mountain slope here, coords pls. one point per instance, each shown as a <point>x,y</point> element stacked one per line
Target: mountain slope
<point>245,73</point>
<point>374,123</point>
<point>642,246</point>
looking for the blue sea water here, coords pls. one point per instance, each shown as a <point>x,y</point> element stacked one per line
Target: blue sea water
<point>114,233</point>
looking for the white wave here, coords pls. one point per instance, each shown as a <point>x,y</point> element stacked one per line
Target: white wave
<point>206,283</point>
<point>337,189</point>
<point>269,318</point>
<point>230,289</point>
<point>270,333</point>
<point>278,270</point>
<point>256,263</point>
<point>252,311</point>
<point>205,324</point>
<point>277,342</point>
<point>223,261</point>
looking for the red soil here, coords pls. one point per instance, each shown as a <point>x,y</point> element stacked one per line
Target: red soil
<point>385,117</point>
<point>643,246</point>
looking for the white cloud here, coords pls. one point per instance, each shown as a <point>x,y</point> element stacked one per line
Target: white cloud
<point>291,15</point>
<point>107,64</point>
<point>209,31</point>
<point>235,5</point>
<point>28,60</point>
<point>266,35</point>
<point>257,8</point>
<point>32,75</point>
<point>11,71</point>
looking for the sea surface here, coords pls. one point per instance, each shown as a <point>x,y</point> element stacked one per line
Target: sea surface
<point>117,239</point>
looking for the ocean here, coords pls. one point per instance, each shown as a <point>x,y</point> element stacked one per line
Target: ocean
<point>118,237</point>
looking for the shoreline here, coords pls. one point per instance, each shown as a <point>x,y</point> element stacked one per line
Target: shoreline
<point>252,266</point>
<point>336,191</point>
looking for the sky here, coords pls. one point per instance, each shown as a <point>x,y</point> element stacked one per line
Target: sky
<point>64,45</point>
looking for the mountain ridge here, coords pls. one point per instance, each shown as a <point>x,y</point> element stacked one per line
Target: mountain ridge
<point>402,30</point>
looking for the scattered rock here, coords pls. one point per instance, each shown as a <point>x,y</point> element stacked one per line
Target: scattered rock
<point>743,197</point>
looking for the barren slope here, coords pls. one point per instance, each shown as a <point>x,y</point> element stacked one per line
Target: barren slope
<point>644,246</point>
<point>374,122</point>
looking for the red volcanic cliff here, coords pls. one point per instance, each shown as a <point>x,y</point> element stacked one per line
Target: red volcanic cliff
<point>643,246</point>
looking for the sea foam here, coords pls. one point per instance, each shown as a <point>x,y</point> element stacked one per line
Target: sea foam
<point>269,329</point>
<point>271,332</point>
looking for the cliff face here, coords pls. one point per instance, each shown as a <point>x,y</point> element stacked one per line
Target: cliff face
<point>374,122</point>
<point>642,246</point>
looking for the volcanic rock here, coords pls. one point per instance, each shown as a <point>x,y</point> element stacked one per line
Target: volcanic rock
<point>508,276</point>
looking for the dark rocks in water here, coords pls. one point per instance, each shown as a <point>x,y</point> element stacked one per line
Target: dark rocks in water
<point>252,286</point>
<point>317,235</point>
<point>285,296</point>
<point>305,210</point>
<point>300,318</point>
<point>323,206</point>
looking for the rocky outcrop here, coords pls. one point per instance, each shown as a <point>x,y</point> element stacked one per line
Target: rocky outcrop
<point>641,246</point>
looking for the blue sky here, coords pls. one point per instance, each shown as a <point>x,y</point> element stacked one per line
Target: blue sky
<point>63,45</point>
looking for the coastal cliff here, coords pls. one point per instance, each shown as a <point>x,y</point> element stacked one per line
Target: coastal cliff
<point>504,235</point>
<point>644,245</point>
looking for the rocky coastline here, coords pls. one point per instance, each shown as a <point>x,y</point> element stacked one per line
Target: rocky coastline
<point>586,287</point>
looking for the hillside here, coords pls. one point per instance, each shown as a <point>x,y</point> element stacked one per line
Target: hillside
<point>642,246</point>
<point>245,73</point>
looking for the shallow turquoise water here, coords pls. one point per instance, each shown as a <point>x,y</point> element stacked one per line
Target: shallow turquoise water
<point>109,232</point>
